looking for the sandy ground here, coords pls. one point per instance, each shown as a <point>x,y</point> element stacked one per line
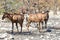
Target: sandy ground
<point>33,34</point>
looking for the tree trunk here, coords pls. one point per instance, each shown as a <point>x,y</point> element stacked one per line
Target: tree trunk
<point>55,7</point>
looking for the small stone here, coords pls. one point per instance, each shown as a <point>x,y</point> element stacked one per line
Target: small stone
<point>47,37</point>
<point>3,35</point>
<point>53,34</point>
<point>41,36</point>
<point>59,38</point>
<point>32,37</point>
<point>26,39</point>
<point>11,36</point>
<point>43,39</point>
<point>48,30</point>
<point>5,39</point>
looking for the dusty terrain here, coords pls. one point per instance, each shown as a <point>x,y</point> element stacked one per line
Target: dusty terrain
<point>53,24</point>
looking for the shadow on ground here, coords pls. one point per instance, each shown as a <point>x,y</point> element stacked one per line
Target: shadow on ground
<point>19,33</point>
<point>27,33</point>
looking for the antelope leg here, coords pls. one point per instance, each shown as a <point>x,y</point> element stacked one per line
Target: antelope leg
<point>28,25</point>
<point>17,27</point>
<point>12,27</point>
<point>46,24</point>
<point>40,26</point>
<point>21,26</point>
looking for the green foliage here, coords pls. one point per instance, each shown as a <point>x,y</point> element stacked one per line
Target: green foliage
<point>14,5</point>
<point>10,5</point>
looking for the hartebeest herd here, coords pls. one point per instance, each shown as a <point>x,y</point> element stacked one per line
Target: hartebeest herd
<point>19,18</point>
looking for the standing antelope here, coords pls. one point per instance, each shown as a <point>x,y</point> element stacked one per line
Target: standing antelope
<point>15,18</point>
<point>39,17</point>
